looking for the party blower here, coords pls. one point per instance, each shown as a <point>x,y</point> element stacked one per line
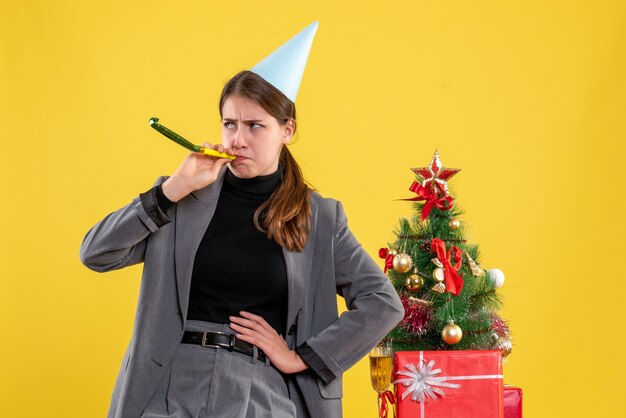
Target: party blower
<point>183,142</point>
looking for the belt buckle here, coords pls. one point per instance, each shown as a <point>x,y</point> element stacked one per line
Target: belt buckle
<point>203,342</point>
<point>231,342</point>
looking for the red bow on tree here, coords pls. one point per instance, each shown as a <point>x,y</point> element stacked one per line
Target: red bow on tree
<point>454,281</point>
<point>384,253</point>
<point>383,398</point>
<point>444,203</point>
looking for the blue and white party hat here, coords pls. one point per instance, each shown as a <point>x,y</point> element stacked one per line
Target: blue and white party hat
<point>284,67</point>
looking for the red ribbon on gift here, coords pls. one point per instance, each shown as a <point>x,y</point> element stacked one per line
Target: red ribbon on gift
<point>444,203</point>
<point>383,398</point>
<point>384,253</point>
<point>454,281</point>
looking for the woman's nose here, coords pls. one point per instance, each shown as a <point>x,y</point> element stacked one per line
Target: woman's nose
<point>239,141</point>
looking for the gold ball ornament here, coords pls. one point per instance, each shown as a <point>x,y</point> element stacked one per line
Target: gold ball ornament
<point>454,223</point>
<point>414,282</point>
<point>503,344</point>
<point>439,275</point>
<point>451,333</point>
<point>402,263</point>
<point>393,251</point>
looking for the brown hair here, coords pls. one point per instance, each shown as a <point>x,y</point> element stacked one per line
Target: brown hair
<point>286,216</point>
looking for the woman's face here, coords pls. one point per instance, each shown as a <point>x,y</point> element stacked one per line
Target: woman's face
<point>254,135</point>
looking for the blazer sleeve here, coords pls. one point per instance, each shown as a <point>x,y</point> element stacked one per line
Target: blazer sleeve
<point>374,307</point>
<point>119,240</point>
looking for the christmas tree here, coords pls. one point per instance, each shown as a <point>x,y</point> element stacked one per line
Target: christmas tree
<point>450,302</point>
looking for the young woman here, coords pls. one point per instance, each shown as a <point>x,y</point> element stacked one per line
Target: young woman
<point>237,312</point>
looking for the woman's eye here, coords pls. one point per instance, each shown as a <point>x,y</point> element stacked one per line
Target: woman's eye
<point>228,124</point>
<point>255,125</point>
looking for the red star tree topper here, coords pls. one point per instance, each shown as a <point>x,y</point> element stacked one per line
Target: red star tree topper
<point>435,176</point>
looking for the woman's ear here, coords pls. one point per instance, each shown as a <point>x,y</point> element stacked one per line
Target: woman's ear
<point>288,130</point>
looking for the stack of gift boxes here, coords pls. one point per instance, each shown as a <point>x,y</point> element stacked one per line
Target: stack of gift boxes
<point>459,384</point>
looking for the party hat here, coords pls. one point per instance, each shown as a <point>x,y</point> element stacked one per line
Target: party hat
<point>284,67</point>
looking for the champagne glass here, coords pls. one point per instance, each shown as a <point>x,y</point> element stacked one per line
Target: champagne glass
<point>381,365</point>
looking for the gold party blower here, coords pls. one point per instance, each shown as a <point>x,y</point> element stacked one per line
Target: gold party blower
<point>184,143</point>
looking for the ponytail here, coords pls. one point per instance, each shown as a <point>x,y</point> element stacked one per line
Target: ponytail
<point>286,216</point>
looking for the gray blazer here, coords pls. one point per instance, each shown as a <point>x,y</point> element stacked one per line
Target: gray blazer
<point>332,262</point>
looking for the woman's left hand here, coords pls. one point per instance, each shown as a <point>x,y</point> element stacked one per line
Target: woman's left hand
<point>255,330</point>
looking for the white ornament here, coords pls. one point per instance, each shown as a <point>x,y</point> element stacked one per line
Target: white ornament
<point>496,276</point>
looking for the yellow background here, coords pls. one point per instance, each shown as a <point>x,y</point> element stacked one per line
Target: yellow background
<point>527,97</point>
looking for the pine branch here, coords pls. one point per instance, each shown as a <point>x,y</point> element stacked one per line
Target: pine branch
<point>486,297</point>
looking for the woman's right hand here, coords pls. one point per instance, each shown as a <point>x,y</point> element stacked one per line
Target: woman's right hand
<point>195,172</point>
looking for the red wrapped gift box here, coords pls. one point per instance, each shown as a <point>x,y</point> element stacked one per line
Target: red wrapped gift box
<point>512,402</point>
<point>459,384</point>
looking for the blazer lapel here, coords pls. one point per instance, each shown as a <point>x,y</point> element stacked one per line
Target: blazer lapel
<point>299,270</point>
<point>193,215</point>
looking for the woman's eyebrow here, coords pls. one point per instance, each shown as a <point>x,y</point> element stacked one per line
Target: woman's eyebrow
<point>245,121</point>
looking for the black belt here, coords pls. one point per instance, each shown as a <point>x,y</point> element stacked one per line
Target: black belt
<point>221,340</point>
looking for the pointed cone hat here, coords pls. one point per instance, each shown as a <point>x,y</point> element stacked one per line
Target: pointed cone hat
<point>284,67</point>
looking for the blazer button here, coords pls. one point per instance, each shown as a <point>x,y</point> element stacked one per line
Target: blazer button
<point>292,330</point>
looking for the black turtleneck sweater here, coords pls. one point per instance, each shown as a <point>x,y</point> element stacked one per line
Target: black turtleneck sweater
<point>236,266</point>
